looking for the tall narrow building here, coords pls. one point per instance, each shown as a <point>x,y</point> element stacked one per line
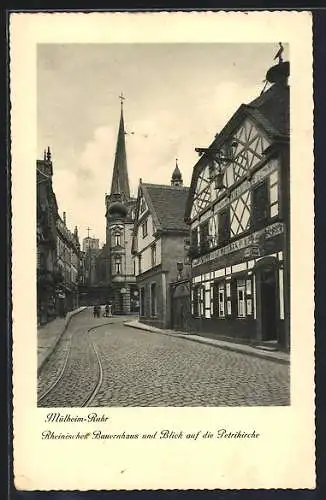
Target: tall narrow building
<point>120,210</point>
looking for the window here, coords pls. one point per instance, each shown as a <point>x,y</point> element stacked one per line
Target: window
<point>273,194</point>
<point>134,263</point>
<point>193,249</point>
<point>195,301</point>
<point>117,265</point>
<point>142,301</point>
<point>241,293</point>
<point>139,264</point>
<point>153,255</point>
<point>144,228</point>
<point>221,310</point>
<point>211,293</point>
<point>228,299</point>
<point>221,292</point>
<point>224,226</point>
<point>204,233</point>
<point>117,239</point>
<point>198,301</point>
<point>260,206</point>
<point>153,299</point>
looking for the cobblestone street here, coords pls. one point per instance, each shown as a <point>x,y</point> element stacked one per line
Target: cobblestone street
<point>101,362</point>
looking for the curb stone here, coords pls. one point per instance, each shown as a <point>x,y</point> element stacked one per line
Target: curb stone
<point>203,340</point>
<point>52,348</point>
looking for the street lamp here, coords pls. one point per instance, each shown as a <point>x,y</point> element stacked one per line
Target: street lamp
<point>180,269</point>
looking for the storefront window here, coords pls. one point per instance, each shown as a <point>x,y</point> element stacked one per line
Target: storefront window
<point>212,299</point>
<point>198,301</point>
<point>153,299</point>
<point>241,292</point>
<point>142,301</point>
<point>228,299</point>
<point>221,310</point>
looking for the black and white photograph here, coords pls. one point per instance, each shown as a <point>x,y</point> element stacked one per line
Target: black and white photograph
<point>162,250</point>
<point>163,188</point>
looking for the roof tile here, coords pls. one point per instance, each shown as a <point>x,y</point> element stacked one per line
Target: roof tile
<point>169,203</point>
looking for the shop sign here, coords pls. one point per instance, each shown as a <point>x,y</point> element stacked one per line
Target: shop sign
<point>250,243</point>
<point>252,251</point>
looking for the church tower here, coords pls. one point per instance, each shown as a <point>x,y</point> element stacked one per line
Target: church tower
<point>120,209</point>
<point>176,179</point>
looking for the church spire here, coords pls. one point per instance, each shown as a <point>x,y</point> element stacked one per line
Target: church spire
<point>120,181</point>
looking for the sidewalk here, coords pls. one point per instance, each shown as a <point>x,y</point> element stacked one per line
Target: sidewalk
<point>279,356</point>
<point>49,335</point>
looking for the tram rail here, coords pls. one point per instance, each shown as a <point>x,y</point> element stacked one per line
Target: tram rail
<point>91,394</point>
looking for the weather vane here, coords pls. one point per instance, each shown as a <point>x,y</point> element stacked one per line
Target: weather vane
<point>279,53</point>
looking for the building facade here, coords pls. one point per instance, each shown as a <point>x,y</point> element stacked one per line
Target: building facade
<point>159,246</point>
<point>91,251</point>
<point>238,213</point>
<point>46,234</point>
<point>68,262</point>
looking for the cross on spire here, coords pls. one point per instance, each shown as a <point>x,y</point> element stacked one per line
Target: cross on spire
<point>88,230</point>
<point>122,98</point>
<point>120,181</point>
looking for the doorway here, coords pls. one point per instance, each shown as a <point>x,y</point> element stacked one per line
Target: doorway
<point>268,294</point>
<point>180,306</point>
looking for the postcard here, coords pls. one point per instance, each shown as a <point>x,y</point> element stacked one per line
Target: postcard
<point>162,250</point>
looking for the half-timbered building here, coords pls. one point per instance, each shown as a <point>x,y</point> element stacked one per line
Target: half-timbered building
<point>238,212</point>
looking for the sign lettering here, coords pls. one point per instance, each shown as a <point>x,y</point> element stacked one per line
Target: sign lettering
<point>246,242</point>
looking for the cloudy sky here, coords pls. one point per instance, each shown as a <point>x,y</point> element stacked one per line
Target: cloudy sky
<point>178,96</point>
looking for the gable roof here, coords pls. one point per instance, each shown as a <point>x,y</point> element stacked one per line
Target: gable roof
<point>270,112</point>
<point>167,205</point>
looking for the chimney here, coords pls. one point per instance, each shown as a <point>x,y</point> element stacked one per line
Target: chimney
<point>64,218</point>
